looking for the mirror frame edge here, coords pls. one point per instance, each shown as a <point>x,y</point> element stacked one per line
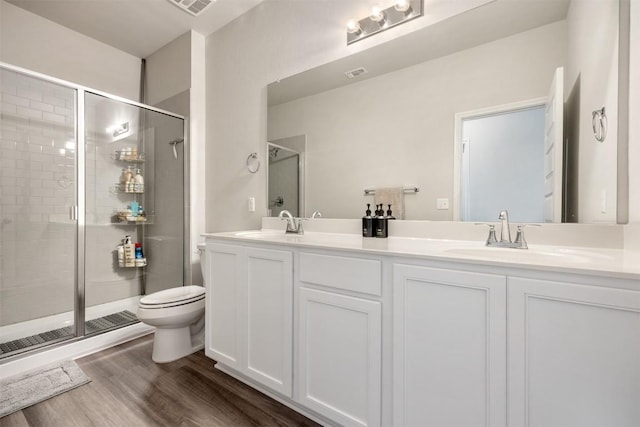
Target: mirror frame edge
<point>624,47</point>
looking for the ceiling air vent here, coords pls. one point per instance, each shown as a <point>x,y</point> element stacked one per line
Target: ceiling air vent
<point>193,7</point>
<point>355,73</point>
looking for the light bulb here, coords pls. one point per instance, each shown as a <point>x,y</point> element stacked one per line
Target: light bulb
<point>403,6</point>
<point>377,15</point>
<point>353,27</point>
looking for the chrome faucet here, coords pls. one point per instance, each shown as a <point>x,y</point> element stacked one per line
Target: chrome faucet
<point>294,225</point>
<point>316,214</point>
<point>505,234</point>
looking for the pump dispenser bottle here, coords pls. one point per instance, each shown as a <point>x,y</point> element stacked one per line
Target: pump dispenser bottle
<point>368,229</point>
<point>381,223</point>
<point>390,213</point>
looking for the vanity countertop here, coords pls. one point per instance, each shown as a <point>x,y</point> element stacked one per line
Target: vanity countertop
<point>617,263</point>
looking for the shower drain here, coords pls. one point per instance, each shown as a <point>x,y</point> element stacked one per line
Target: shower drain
<point>100,324</point>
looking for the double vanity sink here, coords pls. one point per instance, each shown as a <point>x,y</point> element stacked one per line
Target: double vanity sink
<point>565,258</point>
<point>408,331</point>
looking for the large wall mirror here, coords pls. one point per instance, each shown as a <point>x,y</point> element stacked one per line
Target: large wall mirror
<point>406,120</point>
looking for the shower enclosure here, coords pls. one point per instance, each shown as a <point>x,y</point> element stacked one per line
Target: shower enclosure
<point>80,170</point>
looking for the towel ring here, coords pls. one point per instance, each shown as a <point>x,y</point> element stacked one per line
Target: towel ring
<point>599,124</point>
<point>253,163</point>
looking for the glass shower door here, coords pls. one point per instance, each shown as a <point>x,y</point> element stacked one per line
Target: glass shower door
<point>38,194</point>
<point>134,193</point>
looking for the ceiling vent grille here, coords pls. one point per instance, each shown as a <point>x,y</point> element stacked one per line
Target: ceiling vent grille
<point>193,7</point>
<point>355,73</point>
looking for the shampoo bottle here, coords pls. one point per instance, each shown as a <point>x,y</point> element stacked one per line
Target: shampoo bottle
<point>381,224</point>
<point>390,214</point>
<point>129,252</point>
<point>367,223</point>
<point>139,182</point>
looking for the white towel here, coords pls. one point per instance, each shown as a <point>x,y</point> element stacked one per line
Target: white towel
<point>393,196</point>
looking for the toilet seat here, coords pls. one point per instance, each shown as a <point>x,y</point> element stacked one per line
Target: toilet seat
<point>173,297</point>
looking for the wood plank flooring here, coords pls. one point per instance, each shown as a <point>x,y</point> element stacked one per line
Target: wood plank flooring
<point>128,389</point>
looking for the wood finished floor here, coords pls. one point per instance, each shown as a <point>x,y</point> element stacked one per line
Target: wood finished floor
<point>128,389</point>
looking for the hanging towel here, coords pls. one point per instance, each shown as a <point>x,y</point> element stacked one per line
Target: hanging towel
<point>393,196</point>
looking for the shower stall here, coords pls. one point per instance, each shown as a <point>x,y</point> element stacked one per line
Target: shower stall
<point>80,170</point>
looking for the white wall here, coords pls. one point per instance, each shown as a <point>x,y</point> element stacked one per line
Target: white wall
<point>408,116</point>
<point>30,41</point>
<point>634,114</point>
<point>593,58</point>
<point>169,70</point>
<point>274,40</point>
<point>175,68</point>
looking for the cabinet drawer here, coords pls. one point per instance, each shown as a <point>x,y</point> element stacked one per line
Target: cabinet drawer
<point>352,274</point>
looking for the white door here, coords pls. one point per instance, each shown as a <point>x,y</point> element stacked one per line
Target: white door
<point>449,348</point>
<point>553,146</point>
<point>222,318</point>
<point>267,329</point>
<point>574,355</point>
<point>339,357</point>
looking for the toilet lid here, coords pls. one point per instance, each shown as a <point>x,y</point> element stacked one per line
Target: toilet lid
<point>179,295</point>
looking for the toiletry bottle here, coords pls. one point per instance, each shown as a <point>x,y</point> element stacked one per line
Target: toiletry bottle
<point>367,223</point>
<point>139,250</point>
<point>139,182</point>
<point>120,255</point>
<point>129,252</point>
<point>390,214</point>
<point>134,208</point>
<point>381,224</point>
<point>140,211</point>
<point>141,261</point>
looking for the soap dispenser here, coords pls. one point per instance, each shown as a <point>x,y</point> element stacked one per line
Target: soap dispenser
<point>390,213</point>
<point>368,229</point>
<point>381,223</point>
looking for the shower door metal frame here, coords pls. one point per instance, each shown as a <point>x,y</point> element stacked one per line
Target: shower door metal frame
<point>78,212</point>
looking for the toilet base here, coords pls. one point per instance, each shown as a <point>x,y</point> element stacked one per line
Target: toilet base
<point>171,344</point>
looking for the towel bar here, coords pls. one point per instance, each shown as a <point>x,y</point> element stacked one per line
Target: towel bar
<point>407,190</point>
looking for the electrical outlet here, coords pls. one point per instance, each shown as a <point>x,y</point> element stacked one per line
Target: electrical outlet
<point>442,204</point>
<point>252,204</point>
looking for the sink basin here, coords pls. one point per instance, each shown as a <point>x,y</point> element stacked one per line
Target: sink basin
<point>258,234</point>
<point>531,255</point>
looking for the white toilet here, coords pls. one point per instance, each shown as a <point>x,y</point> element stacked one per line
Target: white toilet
<point>178,315</point>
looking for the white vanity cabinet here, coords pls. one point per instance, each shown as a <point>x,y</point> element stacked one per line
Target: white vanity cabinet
<point>371,337</point>
<point>339,338</point>
<point>249,312</point>
<point>449,347</point>
<point>574,354</point>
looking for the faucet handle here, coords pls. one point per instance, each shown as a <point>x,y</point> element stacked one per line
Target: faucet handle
<point>520,241</point>
<point>492,233</point>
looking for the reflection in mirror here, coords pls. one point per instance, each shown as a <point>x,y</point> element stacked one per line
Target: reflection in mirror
<point>285,176</point>
<point>397,128</point>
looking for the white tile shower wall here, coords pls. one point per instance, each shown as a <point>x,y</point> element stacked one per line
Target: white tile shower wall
<point>37,239</point>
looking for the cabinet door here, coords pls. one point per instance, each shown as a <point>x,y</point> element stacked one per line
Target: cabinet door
<point>339,350</point>
<point>574,355</point>
<point>267,318</point>
<point>222,318</point>
<point>449,347</point>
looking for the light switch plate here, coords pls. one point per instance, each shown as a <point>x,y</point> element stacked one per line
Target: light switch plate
<point>442,204</point>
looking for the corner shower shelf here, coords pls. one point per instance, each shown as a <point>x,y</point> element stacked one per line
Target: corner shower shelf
<point>133,220</point>
<point>121,188</point>
<point>122,156</point>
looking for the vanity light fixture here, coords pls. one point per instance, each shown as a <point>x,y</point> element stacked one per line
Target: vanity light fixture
<point>117,130</point>
<point>377,15</point>
<point>381,19</point>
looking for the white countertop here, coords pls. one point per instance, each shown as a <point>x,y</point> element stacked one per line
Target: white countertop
<point>617,263</point>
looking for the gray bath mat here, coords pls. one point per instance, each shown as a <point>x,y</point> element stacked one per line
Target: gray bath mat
<point>28,389</point>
